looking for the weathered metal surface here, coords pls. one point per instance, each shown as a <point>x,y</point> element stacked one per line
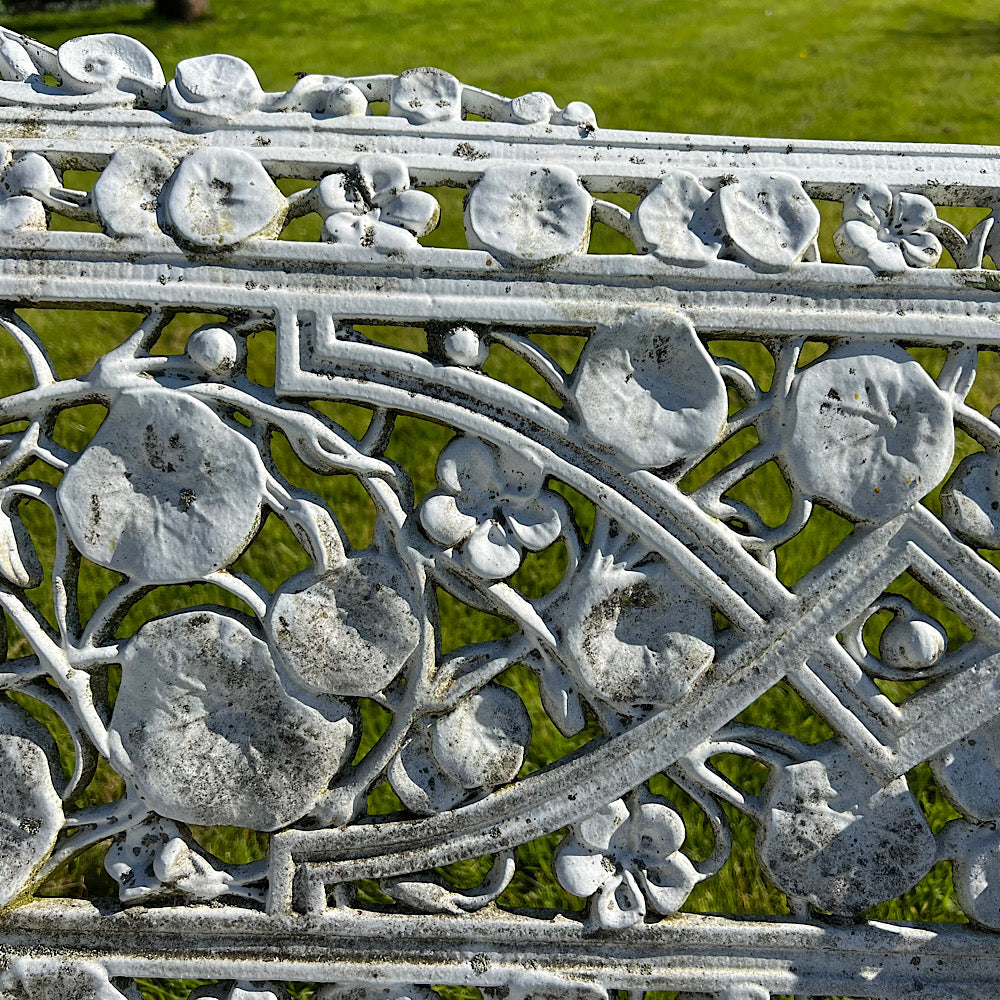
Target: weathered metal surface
<point>869,397</point>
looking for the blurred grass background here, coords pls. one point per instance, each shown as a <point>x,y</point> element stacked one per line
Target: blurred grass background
<point>847,69</point>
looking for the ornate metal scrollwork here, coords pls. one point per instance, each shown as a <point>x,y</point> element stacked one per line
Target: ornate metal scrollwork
<point>751,475</point>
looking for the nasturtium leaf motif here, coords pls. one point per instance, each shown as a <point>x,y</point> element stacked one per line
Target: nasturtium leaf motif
<point>675,222</point>
<point>976,869</point>
<point>478,745</point>
<point>768,219</point>
<point>21,181</point>
<point>639,637</point>
<point>217,198</point>
<point>647,388</point>
<point>126,194</point>
<point>870,433</point>
<point>528,214</point>
<point>205,729</point>
<point>51,978</point>
<point>351,631</point>
<point>425,95</point>
<point>625,860</point>
<point>213,89</point>
<point>833,835</point>
<point>970,500</point>
<point>969,772</point>
<point>165,492</point>
<point>31,812</point>
<point>95,62</point>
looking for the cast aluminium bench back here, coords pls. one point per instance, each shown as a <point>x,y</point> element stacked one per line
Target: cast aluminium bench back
<point>714,402</point>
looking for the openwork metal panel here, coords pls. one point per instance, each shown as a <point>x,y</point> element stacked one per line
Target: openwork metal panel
<point>701,588</point>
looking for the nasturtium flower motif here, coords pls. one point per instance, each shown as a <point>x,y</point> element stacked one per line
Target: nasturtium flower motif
<point>491,504</point>
<point>887,232</point>
<point>970,500</point>
<point>648,389</point>
<point>768,219</point>
<point>528,214</point>
<point>349,632</point>
<point>218,198</point>
<point>204,728</point>
<point>477,746</point>
<point>638,637</point>
<point>625,860</point>
<point>426,95</point>
<point>832,834</point>
<point>372,205</point>
<point>868,431</point>
<point>165,492</point>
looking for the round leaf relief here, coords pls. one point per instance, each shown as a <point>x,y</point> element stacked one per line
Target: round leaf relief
<point>976,873</point>
<point>769,219</point>
<point>970,501</point>
<point>869,433</point>
<point>833,835</point>
<point>209,735</point>
<point>93,62</point>
<point>648,388</point>
<point>351,631</point>
<point>165,492</point>
<point>528,214</point>
<point>478,745</point>
<point>640,638</point>
<point>221,197</point>
<point>126,193</point>
<point>969,772</point>
<point>30,808</point>
<point>674,222</point>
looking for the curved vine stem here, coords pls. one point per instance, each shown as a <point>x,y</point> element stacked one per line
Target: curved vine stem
<point>84,755</point>
<point>30,343</point>
<point>97,830</point>
<point>110,612</point>
<point>527,350</point>
<point>721,831</point>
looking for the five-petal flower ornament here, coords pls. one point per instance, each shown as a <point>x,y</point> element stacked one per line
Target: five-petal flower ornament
<point>887,232</point>
<point>491,504</point>
<point>624,860</point>
<point>372,205</point>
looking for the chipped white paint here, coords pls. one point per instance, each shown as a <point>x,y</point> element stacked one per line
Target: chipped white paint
<point>668,618</point>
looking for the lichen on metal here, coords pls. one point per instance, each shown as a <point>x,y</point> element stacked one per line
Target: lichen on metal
<point>667,380</point>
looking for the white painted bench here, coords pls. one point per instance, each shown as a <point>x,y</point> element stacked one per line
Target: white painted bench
<point>717,352</point>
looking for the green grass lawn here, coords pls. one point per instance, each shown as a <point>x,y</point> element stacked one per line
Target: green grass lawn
<point>847,69</point>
